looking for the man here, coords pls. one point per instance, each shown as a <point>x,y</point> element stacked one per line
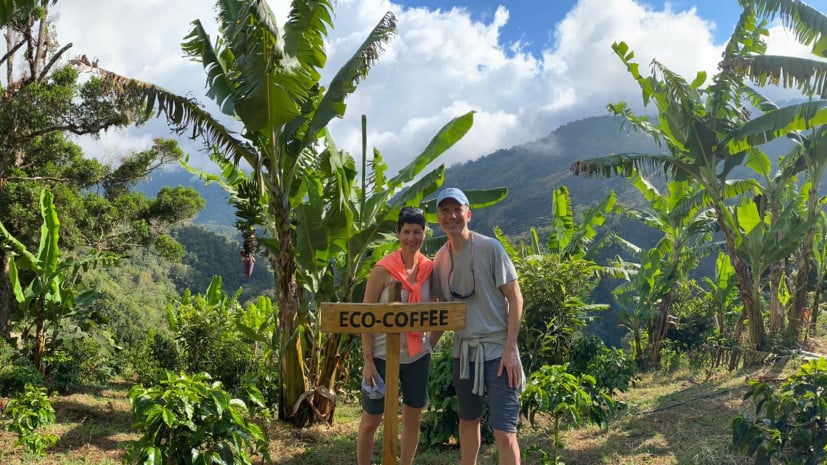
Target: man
<point>475,268</point>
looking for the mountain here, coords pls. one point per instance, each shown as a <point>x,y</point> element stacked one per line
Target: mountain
<point>532,171</point>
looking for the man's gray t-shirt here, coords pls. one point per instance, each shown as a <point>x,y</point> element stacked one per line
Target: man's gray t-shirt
<point>487,308</point>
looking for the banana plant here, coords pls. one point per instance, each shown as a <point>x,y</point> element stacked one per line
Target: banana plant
<point>269,80</point>
<point>341,228</point>
<point>761,242</point>
<point>708,133</point>
<point>568,238</point>
<point>721,292</point>
<point>52,293</point>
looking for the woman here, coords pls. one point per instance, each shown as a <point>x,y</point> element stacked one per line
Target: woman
<point>408,266</point>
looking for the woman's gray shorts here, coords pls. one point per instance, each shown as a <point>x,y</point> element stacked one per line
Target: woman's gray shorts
<point>503,401</point>
<point>413,383</point>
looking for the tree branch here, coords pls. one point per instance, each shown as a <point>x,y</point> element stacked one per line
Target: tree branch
<point>37,178</point>
<point>11,52</point>
<point>53,60</point>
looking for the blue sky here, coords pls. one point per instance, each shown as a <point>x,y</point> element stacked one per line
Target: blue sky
<point>532,21</point>
<point>524,67</point>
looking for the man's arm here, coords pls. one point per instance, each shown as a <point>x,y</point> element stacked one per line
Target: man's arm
<point>510,361</point>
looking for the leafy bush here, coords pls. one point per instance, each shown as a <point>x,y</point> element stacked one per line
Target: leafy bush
<point>205,327</point>
<point>79,362</point>
<point>157,354</point>
<point>554,289</point>
<point>612,369</point>
<point>790,424</point>
<point>27,411</point>
<point>553,390</point>
<point>16,371</point>
<point>192,420</point>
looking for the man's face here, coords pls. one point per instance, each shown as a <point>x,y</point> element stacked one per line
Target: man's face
<point>453,216</point>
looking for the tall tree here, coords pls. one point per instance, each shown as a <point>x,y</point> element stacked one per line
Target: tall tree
<point>41,101</point>
<point>270,81</point>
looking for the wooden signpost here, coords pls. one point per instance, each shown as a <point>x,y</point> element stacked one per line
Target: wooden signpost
<point>392,319</point>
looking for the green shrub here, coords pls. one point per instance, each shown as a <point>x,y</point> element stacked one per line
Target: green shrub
<point>790,424</point>
<point>154,356</point>
<point>79,362</point>
<point>554,391</point>
<point>27,411</point>
<point>205,329</point>
<point>16,371</point>
<point>193,421</point>
<point>612,370</point>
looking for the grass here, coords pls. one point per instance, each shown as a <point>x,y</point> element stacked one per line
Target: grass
<point>676,418</point>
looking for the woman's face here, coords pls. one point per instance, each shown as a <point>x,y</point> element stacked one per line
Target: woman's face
<point>411,236</point>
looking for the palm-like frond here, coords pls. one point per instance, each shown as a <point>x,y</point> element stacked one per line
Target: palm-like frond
<point>779,123</point>
<point>181,112</point>
<point>627,164</point>
<point>759,100</point>
<point>269,89</point>
<point>807,75</point>
<point>219,87</point>
<point>807,23</point>
<point>442,141</point>
<point>344,82</point>
<point>305,31</point>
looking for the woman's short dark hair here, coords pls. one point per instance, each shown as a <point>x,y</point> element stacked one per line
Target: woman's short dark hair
<point>410,215</point>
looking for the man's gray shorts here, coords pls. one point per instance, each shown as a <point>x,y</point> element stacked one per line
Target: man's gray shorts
<point>413,382</point>
<point>503,401</point>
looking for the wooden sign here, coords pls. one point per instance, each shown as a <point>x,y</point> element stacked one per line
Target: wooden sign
<point>392,319</point>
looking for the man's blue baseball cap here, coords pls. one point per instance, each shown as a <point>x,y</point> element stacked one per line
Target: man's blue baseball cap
<point>452,193</point>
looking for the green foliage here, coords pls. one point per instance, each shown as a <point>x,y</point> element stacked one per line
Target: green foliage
<point>554,309</point>
<point>192,420</point>
<point>204,326</point>
<point>553,390</point>
<point>156,355</point>
<point>53,296</point>
<point>133,296</point>
<point>612,370</point>
<point>790,424</point>
<point>440,421</point>
<point>79,362</point>
<point>16,371</point>
<point>27,411</point>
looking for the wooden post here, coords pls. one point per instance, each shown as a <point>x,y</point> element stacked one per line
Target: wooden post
<point>392,319</point>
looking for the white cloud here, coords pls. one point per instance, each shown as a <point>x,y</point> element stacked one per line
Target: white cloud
<point>440,65</point>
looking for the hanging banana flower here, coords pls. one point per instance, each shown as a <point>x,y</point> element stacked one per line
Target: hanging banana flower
<point>248,251</point>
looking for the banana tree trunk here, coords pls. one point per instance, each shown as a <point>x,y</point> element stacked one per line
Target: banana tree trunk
<point>776,313</point>
<point>638,346</point>
<point>328,374</point>
<point>802,283</point>
<point>659,331</point>
<point>7,301</point>
<point>752,310</point>
<point>39,342</point>
<point>291,358</point>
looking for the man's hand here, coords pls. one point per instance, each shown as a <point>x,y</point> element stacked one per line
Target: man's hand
<point>510,364</point>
